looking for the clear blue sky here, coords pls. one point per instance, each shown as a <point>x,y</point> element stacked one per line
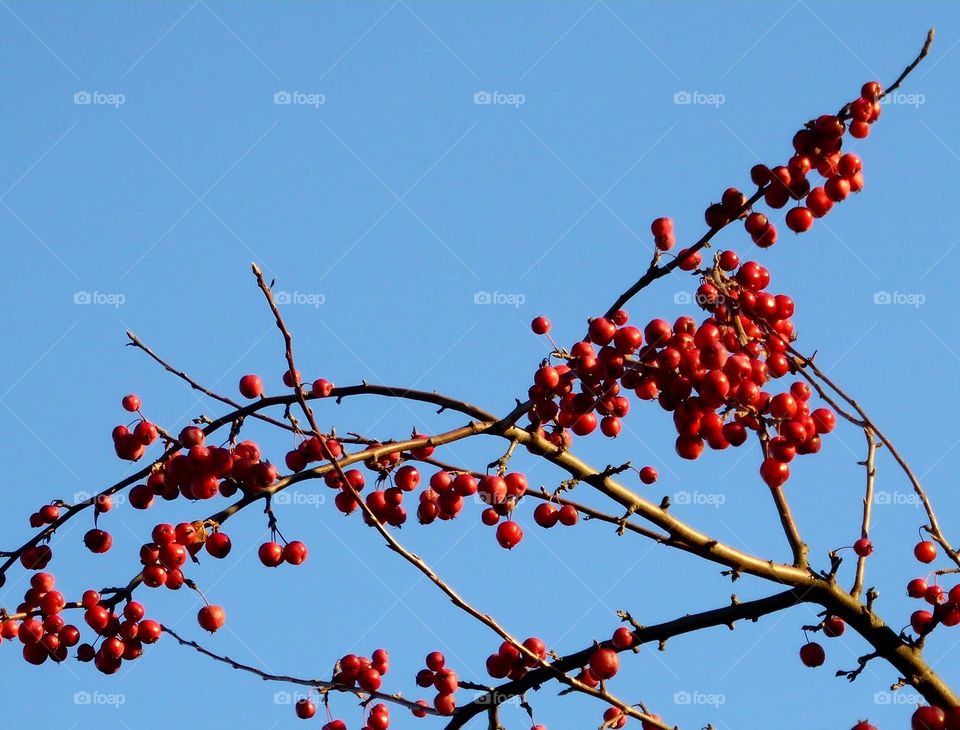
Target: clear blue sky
<point>393,202</point>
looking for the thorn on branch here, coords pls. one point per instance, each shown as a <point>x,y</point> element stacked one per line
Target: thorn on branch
<point>862,662</point>
<point>611,470</point>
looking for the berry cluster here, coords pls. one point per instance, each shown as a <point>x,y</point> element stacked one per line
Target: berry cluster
<point>360,671</point>
<point>710,376</point>
<point>45,634</point>
<point>444,500</point>
<point>510,662</point>
<point>441,678</point>
<point>817,147</point>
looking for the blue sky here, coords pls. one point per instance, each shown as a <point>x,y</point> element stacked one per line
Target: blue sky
<point>384,198</point>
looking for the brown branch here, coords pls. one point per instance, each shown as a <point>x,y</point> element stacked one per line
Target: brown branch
<point>870,466</point>
<point>321,685</point>
<point>725,616</point>
<point>136,342</point>
<point>445,402</point>
<point>415,560</point>
<point>654,271</point>
<point>797,545</point>
<point>934,527</point>
<point>920,56</point>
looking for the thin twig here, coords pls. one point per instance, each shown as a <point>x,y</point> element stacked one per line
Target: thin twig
<point>870,466</point>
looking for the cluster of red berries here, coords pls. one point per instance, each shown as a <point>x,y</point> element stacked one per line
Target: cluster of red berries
<point>273,554</point>
<point>128,444</point>
<point>48,637</point>
<point>510,662</point>
<point>812,654</point>
<point>251,385</point>
<point>946,604</point>
<point>45,634</point>
<point>168,552</point>
<point>359,671</point>
<point>444,497</point>
<point>547,515</point>
<point>817,147</point>
<point>46,515</point>
<point>441,678</point>
<point>709,375</point>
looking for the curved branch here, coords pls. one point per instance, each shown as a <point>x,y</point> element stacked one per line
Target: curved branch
<point>318,684</point>
<point>725,616</point>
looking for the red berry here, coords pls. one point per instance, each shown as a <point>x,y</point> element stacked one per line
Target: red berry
<point>490,517</point>
<point>546,515</point>
<point>407,478</point>
<point>191,436</point>
<point>305,709</point>
<point>251,386</point>
<point>295,552</point>
<point>921,621</point>
<point>601,330</point>
<point>604,663</point>
<point>833,626</point>
<point>446,681</point>
<point>321,388</point>
<point>568,515</point>
<point>131,403</point>
<point>211,618</point>
<point>925,551</point>
<point>648,475</point>
<point>871,90</point>
<point>928,718</point>
<point>540,326</point>
<point>775,473</point>
<point>509,534</point>
<point>863,547</point>
<point>812,654</point>
<point>623,638</point>
<point>661,226</point>
<point>369,680</point>
<point>97,541</point>
<point>271,554</point>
